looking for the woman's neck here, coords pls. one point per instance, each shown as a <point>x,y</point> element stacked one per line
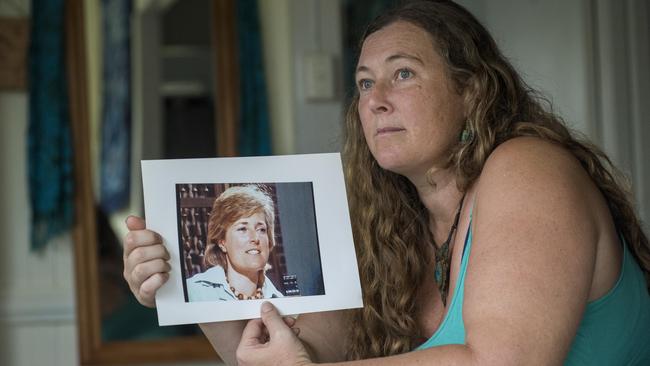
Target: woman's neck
<point>440,195</point>
<point>245,284</point>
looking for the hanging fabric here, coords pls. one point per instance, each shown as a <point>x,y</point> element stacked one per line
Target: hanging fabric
<point>49,140</point>
<point>115,166</point>
<point>254,131</point>
<point>358,14</point>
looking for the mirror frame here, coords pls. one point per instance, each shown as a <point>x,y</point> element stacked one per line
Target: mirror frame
<point>92,349</point>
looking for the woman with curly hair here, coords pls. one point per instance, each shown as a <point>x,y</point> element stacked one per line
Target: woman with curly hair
<point>486,232</point>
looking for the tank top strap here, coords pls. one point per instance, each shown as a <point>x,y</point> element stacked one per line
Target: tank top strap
<point>469,227</point>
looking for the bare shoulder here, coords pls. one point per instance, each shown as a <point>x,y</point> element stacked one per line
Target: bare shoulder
<point>533,156</point>
<point>527,171</point>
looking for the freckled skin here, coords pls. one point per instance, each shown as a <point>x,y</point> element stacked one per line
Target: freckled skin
<point>409,109</point>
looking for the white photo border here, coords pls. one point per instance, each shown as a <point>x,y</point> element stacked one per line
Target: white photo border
<point>338,258</point>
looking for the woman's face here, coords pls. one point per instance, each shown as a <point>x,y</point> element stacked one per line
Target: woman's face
<point>247,244</point>
<point>410,111</point>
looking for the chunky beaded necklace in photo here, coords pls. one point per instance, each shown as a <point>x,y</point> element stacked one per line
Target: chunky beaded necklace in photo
<point>240,296</point>
<point>257,295</point>
<point>443,258</point>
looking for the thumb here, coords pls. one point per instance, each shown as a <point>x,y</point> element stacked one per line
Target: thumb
<point>252,333</point>
<point>135,223</point>
<point>272,320</point>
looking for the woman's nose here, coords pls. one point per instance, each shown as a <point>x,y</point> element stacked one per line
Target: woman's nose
<point>255,237</point>
<point>378,101</point>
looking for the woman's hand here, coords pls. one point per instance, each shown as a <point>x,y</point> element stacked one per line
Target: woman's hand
<point>145,261</point>
<point>271,341</point>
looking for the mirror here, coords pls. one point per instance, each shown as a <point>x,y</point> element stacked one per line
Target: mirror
<point>113,328</point>
<point>294,33</point>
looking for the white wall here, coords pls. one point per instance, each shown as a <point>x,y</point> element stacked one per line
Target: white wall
<point>548,43</point>
<point>37,289</point>
<point>276,26</point>
<point>293,30</point>
<point>317,29</point>
<point>622,56</point>
<point>590,58</point>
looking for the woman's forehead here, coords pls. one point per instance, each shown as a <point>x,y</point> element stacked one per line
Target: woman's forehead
<point>257,215</point>
<point>399,38</point>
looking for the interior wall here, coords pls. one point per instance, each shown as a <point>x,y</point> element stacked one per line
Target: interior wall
<point>638,33</point>
<point>36,289</point>
<point>316,28</point>
<point>276,27</point>
<point>623,90</point>
<point>588,57</point>
<point>549,43</point>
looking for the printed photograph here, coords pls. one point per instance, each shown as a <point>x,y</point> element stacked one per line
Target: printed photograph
<point>248,241</point>
<point>245,230</point>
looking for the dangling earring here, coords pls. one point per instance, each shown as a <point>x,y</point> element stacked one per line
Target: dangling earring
<point>466,136</point>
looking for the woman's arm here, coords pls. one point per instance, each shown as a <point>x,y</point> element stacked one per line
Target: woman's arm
<point>532,261</point>
<point>324,334</point>
<point>531,264</point>
<point>224,338</point>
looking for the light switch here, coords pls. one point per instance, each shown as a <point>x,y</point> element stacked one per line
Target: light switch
<point>318,76</point>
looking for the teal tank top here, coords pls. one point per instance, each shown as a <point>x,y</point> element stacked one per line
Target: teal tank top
<point>614,330</point>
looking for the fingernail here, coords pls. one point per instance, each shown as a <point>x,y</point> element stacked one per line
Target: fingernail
<point>127,219</point>
<point>266,307</point>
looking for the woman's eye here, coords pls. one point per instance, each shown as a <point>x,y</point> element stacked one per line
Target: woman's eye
<point>365,84</point>
<point>262,230</point>
<point>241,228</point>
<point>404,74</point>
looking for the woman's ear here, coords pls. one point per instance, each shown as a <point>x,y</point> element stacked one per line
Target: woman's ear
<point>222,247</point>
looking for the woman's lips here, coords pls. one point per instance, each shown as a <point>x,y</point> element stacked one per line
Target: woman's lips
<point>388,130</point>
<point>253,251</point>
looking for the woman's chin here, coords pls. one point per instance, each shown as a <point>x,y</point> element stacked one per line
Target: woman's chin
<point>407,167</point>
<point>392,159</point>
<point>393,166</point>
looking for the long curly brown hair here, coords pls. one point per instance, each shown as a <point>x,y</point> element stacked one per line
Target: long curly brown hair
<point>390,230</point>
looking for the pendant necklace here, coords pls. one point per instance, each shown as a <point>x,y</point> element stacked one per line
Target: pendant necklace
<point>443,258</point>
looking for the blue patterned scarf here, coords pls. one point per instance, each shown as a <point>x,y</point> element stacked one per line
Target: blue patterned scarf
<point>254,131</point>
<point>49,143</point>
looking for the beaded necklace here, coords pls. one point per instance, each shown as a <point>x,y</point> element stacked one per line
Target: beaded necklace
<point>443,258</point>
<point>257,295</point>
